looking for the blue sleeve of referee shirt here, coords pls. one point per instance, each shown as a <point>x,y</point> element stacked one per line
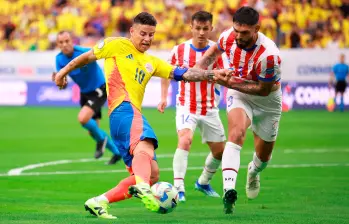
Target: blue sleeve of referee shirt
<point>81,49</point>
<point>58,64</point>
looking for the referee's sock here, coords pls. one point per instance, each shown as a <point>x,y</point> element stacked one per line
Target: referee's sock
<point>95,131</point>
<point>341,105</point>
<point>99,135</point>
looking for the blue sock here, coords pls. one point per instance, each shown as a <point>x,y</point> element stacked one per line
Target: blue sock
<point>99,135</point>
<point>341,105</point>
<point>96,132</point>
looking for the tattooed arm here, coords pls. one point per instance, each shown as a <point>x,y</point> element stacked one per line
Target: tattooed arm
<point>260,88</point>
<point>268,70</point>
<point>209,57</point>
<point>197,74</point>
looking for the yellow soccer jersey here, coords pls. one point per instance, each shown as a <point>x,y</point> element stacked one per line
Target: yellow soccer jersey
<point>127,71</point>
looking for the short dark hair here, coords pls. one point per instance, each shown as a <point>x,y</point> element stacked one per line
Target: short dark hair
<point>63,32</point>
<point>202,16</point>
<point>145,18</point>
<point>246,16</point>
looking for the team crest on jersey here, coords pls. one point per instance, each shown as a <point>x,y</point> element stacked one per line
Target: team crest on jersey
<point>239,71</point>
<point>101,45</point>
<point>250,64</point>
<point>149,68</point>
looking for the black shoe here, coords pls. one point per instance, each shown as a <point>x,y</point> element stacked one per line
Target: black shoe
<point>114,159</point>
<point>100,148</point>
<point>229,199</point>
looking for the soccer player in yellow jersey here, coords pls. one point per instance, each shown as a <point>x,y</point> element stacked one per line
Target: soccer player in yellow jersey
<point>128,69</point>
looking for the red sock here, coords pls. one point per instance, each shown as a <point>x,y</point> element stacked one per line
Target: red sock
<point>120,192</point>
<point>141,166</point>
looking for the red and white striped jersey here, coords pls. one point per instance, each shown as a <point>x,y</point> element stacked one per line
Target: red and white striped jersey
<point>261,62</point>
<point>202,97</point>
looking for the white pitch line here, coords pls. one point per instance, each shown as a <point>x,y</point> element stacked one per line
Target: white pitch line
<point>18,171</point>
<point>315,151</point>
<point>280,166</point>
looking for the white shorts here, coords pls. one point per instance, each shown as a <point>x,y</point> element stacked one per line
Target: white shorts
<point>264,112</point>
<point>210,126</point>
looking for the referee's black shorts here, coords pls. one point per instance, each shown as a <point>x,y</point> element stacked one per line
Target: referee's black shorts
<point>341,86</point>
<point>95,100</point>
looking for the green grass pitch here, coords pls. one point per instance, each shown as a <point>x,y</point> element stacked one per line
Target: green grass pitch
<point>311,187</point>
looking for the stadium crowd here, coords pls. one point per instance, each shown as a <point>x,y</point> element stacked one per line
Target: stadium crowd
<point>31,25</point>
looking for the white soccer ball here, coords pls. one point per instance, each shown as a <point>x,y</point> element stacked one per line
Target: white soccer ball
<point>167,196</point>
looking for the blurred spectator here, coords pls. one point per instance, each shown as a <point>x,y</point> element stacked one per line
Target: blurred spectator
<point>336,42</point>
<point>256,4</point>
<point>33,24</point>
<point>345,8</point>
<point>124,24</point>
<point>268,25</point>
<point>8,29</point>
<point>61,3</point>
<point>93,29</point>
<point>295,37</point>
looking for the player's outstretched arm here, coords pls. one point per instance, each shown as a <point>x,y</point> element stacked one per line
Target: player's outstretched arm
<point>259,88</point>
<point>268,70</point>
<point>197,74</point>
<point>209,57</point>
<point>77,62</point>
<point>165,70</point>
<point>165,83</point>
<point>331,80</point>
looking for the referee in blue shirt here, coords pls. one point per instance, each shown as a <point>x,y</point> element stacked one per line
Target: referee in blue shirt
<point>340,73</point>
<point>90,79</point>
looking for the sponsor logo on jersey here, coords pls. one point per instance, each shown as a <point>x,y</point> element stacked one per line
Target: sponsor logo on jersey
<point>130,56</point>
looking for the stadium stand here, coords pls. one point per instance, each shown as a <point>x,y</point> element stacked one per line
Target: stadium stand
<point>32,25</point>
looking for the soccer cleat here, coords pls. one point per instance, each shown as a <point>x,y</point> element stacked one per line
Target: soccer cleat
<point>253,184</point>
<point>100,148</point>
<point>114,159</point>
<point>143,192</point>
<point>181,196</point>
<point>206,189</point>
<point>99,209</point>
<point>229,199</point>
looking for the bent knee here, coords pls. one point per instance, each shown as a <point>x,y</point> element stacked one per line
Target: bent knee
<point>217,149</point>
<point>185,139</point>
<point>217,154</point>
<point>83,119</point>
<point>237,135</point>
<point>145,146</point>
